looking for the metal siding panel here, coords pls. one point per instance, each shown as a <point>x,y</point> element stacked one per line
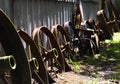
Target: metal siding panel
<point>34,13</point>
<point>91,12</point>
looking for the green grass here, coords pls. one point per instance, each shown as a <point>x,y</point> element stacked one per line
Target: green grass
<point>110,53</point>
<point>74,64</point>
<point>109,56</point>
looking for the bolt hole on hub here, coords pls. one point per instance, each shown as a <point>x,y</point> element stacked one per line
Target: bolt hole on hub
<point>7,63</point>
<point>34,64</point>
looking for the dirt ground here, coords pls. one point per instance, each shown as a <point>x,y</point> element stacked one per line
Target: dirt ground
<point>75,78</point>
<point>98,72</point>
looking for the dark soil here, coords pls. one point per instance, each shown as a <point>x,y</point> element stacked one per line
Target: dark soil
<point>102,68</point>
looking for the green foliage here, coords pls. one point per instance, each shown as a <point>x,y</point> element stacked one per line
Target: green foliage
<point>110,51</point>
<point>75,64</point>
<point>109,57</point>
<point>118,5</point>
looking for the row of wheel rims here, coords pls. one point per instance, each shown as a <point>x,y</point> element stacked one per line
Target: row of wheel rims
<point>12,44</point>
<point>110,24</point>
<point>45,42</point>
<point>58,62</point>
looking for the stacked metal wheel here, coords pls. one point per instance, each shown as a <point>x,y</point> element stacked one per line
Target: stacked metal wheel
<point>14,66</point>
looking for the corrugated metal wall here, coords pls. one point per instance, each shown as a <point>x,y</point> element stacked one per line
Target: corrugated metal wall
<point>89,8</point>
<point>34,13</point>
<point>29,14</point>
<point>6,5</point>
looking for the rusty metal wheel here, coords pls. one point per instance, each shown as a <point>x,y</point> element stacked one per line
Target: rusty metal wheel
<point>102,19</point>
<point>39,75</point>
<point>64,43</point>
<point>50,50</point>
<point>82,44</point>
<point>11,45</point>
<point>74,40</point>
<point>114,15</point>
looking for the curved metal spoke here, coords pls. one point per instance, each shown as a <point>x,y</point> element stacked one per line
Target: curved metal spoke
<point>33,52</point>
<point>54,63</point>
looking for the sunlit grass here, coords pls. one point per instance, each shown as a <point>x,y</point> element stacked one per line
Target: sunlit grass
<point>112,46</point>
<point>109,52</point>
<point>74,64</point>
<point>116,37</point>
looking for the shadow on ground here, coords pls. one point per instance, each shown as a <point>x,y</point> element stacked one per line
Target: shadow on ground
<point>105,65</point>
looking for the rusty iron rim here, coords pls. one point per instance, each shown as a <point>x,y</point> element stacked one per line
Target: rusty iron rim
<point>12,45</point>
<point>42,73</point>
<point>37,32</point>
<point>66,44</point>
<point>103,24</point>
